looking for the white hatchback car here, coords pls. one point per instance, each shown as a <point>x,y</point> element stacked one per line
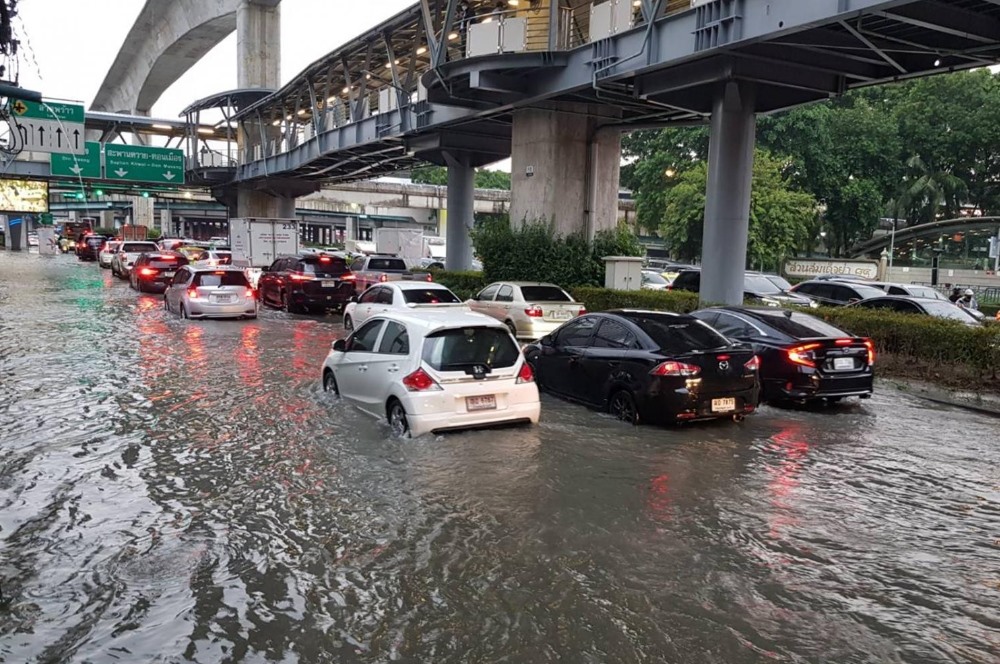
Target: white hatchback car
<point>210,292</point>
<point>434,371</point>
<point>399,296</point>
<point>108,252</point>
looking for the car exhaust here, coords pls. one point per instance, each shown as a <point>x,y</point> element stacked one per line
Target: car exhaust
<point>739,417</point>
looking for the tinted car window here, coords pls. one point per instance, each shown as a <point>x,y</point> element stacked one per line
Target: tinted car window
<point>364,339</point>
<point>396,264</point>
<point>613,334</point>
<point>824,291</point>
<point>689,281</point>
<point>506,294</point>
<point>395,341</point>
<point>384,296</point>
<point>653,278</point>
<point>924,291</point>
<point>756,283</point>
<point>943,309</point>
<point>576,333</point>
<point>863,292</point>
<point>138,247</point>
<point>896,290</point>
<point>323,267</point>
<point>487,293</point>
<point>165,262</point>
<point>544,294</point>
<point>458,349</point>
<point>801,326</point>
<point>733,326</point>
<point>221,278</point>
<point>430,296</point>
<point>369,295</point>
<point>358,264</point>
<point>676,335</point>
<point>780,282</point>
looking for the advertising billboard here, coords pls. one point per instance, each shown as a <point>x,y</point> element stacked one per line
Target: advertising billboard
<point>24,196</point>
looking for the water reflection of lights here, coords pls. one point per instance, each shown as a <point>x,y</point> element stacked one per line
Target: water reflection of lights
<point>790,451</point>
<point>248,361</point>
<point>658,500</point>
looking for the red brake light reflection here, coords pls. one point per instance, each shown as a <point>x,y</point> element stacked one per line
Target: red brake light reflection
<point>147,271</point>
<point>871,351</point>
<point>753,364</point>
<point>803,355</point>
<point>672,368</point>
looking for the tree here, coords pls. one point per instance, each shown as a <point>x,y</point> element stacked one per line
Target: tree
<point>926,190</point>
<point>438,175</point>
<point>780,215</point>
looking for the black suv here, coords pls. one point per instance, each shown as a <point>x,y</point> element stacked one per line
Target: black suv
<point>153,272</point>
<point>756,287</point>
<point>307,282</point>
<point>837,293</point>
<point>89,248</point>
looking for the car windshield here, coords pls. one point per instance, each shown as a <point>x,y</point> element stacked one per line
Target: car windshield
<point>544,294</point>
<point>220,278</point>
<point>138,247</point>
<point>943,309</point>
<point>388,264</point>
<point>430,296</point>
<point>780,282</point>
<point>328,266</point>
<point>193,253</point>
<point>800,326</point>
<point>653,278</point>
<point>460,348</point>
<point>866,291</point>
<point>924,291</point>
<point>675,335</point>
<point>756,283</point>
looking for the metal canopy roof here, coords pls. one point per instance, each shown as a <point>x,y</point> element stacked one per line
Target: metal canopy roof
<point>237,99</point>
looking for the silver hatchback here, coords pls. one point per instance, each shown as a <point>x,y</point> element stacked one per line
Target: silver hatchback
<point>211,292</point>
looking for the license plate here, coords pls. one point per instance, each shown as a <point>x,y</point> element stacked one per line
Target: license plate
<point>487,402</point>
<point>222,299</point>
<point>329,283</point>
<point>841,363</point>
<point>723,405</point>
<point>168,274</point>
<point>560,315</point>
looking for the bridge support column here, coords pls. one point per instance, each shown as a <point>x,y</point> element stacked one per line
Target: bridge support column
<point>565,170</point>
<point>727,198</point>
<point>461,212</point>
<point>258,44</point>
<point>254,203</point>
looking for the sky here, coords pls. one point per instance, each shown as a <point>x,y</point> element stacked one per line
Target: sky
<point>68,45</point>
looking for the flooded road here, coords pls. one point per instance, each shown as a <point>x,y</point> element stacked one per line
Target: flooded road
<point>175,491</point>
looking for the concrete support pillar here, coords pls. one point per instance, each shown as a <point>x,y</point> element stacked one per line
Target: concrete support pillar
<point>165,219</point>
<point>564,170</point>
<point>461,212</point>
<point>727,199</point>
<point>142,211</point>
<point>258,44</point>
<point>107,219</point>
<point>253,203</point>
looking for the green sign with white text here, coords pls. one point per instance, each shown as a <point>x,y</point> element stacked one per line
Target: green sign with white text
<point>87,165</point>
<point>140,163</point>
<point>48,111</point>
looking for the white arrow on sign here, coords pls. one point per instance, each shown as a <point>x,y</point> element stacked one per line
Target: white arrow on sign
<point>75,170</point>
<point>168,176</point>
<point>121,173</point>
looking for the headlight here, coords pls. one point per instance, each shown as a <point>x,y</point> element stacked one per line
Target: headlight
<point>814,304</point>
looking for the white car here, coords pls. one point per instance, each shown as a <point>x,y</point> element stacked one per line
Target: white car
<point>210,292</point>
<point>653,280</point>
<point>433,371</point>
<point>399,296</point>
<point>530,310</point>
<point>108,252</point>
<point>214,258</point>
<point>124,258</point>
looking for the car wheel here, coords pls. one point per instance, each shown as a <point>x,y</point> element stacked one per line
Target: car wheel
<point>513,328</point>
<point>348,323</point>
<point>330,383</point>
<point>396,415</point>
<point>622,407</point>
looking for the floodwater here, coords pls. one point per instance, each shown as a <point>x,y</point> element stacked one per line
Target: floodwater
<point>175,491</point>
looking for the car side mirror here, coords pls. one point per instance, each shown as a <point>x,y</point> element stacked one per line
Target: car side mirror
<point>354,299</point>
<point>546,340</point>
<point>340,346</point>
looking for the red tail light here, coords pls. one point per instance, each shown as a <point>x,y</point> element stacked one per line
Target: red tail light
<point>525,375</point>
<point>419,381</point>
<point>300,277</point>
<point>147,272</point>
<point>534,312</point>
<point>753,364</point>
<point>871,351</point>
<point>382,278</point>
<point>193,293</point>
<point>350,276</point>
<point>324,259</point>
<point>844,342</point>
<point>250,294</point>
<point>672,368</point>
<point>583,311</point>
<point>803,355</point>
<point>430,277</point>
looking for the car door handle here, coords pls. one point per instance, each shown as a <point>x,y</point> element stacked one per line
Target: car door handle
<point>394,368</point>
<point>363,367</point>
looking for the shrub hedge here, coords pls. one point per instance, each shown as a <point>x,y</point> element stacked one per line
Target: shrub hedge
<point>603,299</point>
<point>462,284</point>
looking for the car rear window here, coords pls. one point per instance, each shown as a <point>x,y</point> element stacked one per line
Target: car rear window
<point>324,267</point>
<point>224,257</point>
<point>95,241</point>
<point>460,348</point>
<point>690,281</point>
<point>220,278</point>
<point>755,283</point>
<point>544,294</point>
<point>676,335</point>
<point>138,247</point>
<point>429,296</point>
<point>801,326</point>
<point>389,264</point>
<point>166,262</point>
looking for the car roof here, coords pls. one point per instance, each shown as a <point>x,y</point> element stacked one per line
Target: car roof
<point>412,285</point>
<point>630,313</point>
<point>213,268</point>
<point>434,320</point>
<point>906,298</point>
<point>526,283</point>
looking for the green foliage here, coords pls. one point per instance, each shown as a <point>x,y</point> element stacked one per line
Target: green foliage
<point>604,299</point>
<point>111,232</point>
<point>438,175</point>
<point>532,252</point>
<point>780,217</point>
<point>464,284</point>
<point>153,234</point>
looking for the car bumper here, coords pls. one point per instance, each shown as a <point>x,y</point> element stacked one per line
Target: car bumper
<point>446,410</point>
<point>198,309</point>
<point>683,405</point>
<point>533,330</point>
<point>336,298</point>
<point>804,387</point>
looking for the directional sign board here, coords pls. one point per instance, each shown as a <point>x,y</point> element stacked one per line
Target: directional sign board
<point>49,126</point>
<point>86,165</point>
<point>140,163</point>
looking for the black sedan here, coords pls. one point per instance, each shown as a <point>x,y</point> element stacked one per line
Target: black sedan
<point>801,357</point>
<point>647,366</point>
<point>922,306</point>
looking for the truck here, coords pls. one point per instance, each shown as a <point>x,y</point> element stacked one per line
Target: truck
<point>257,242</point>
<point>71,232</point>
<point>405,243</point>
<point>129,233</point>
<point>380,268</point>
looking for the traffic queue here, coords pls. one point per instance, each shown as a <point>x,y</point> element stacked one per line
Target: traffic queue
<point>428,362</point>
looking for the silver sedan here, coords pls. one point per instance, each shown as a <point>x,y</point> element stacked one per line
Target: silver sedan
<point>211,292</point>
<point>530,310</point>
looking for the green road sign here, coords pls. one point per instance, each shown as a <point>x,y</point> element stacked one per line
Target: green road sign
<point>139,163</point>
<point>86,165</point>
<point>48,111</point>
<point>49,127</point>
<point>45,218</point>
